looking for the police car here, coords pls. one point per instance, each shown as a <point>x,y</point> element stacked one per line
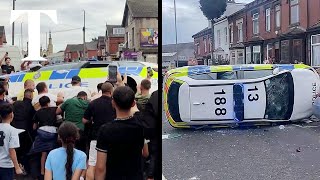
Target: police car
<point>203,95</point>
<point>58,77</point>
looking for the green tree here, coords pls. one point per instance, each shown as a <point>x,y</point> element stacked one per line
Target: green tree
<point>213,9</point>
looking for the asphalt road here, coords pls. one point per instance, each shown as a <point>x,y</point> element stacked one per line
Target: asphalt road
<point>242,153</point>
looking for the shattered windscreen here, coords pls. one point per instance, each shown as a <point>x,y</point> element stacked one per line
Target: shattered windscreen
<point>279,90</point>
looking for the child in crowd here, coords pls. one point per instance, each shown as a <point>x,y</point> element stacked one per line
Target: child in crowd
<point>9,140</point>
<point>46,139</point>
<point>74,160</point>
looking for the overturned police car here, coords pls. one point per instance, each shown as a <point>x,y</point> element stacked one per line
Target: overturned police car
<point>203,95</point>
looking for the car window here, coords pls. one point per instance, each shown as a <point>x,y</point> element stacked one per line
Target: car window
<point>97,65</point>
<point>130,64</point>
<point>280,95</point>
<point>215,76</point>
<point>61,67</point>
<point>208,76</point>
<point>227,75</point>
<point>256,74</point>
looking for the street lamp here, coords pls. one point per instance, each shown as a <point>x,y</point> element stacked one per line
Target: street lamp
<point>175,24</point>
<point>14,4</point>
<point>84,34</point>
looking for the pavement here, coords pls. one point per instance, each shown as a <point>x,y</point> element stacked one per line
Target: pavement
<point>286,152</point>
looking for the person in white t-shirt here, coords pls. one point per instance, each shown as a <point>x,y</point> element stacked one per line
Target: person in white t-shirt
<point>43,91</point>
<point>9,140</point>
<point>75,89</point>
<point>99,94</point>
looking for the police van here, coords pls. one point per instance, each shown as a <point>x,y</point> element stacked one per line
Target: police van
<point>58,76</point>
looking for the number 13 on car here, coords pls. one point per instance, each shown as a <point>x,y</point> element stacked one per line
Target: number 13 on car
<point>254,96</point>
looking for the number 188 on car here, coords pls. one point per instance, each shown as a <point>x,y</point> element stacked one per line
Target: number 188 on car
<point>223,100</point>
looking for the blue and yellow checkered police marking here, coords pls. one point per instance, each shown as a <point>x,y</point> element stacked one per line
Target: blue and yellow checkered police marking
<point>86,73</point>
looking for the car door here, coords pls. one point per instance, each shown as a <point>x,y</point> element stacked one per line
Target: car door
<point>212,102</point>
<point>217,102</point>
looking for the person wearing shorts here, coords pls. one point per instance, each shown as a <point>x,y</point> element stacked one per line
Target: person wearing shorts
<point>99,112</point>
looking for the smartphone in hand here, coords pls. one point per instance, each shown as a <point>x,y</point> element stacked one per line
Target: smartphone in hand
<point>113,73</point>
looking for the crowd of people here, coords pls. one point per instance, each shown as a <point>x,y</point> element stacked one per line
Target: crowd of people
<point>78,134</point>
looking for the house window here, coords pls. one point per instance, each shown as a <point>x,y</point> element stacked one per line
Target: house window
<point>240,57</point>
<point>285,57</point>
<point>315,50</point>
<point>231,34</point>
<point>226,34</point>
<point>248,55</point>
<point>219,38</point>
<point>294,11</point>
<point>128,40</point>
<point>198,49</point>
<point>256,54</point>
<point>268,22</point>
<point>118,31</point>
<point>255,20</point>
<point>233,58</point>
<point>297,50</point>
<point>269,51</point>
<point>132,37</point>
<point>278,16</point>
<point>210,45</point>
<point>205,44</point>
<point>240,34</point>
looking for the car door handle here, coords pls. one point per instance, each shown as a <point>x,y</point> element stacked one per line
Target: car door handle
<point>196,103</point>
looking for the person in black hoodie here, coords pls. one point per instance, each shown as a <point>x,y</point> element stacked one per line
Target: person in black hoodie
<point>151,121</point>
<point>23,115</point>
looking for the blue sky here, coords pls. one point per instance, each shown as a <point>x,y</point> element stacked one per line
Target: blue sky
<point>190,20</point>
<point>70,20</point>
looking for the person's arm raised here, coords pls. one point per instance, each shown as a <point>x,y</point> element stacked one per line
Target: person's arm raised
<point>3,58</point>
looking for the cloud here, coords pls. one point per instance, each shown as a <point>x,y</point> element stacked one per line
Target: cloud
<point>190,20</point>
<point>70,16</point>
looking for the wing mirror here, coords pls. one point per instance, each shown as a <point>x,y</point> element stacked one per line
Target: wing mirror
<point>276,71</point>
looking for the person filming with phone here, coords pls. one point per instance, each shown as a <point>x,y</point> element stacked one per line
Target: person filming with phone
<point>6,68</point>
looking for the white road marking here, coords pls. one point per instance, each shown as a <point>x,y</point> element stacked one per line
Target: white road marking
<point>163,178</point>
<point>166,136</point>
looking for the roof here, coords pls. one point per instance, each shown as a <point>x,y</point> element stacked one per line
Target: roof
<point>79,47</point>
<point>93,45</point>
<point>231,8</point>
<point>58,54</point>
<point>140,9</point>
<point>74,47</point>
<point>143,8</point>
<point>204,31</point>
<point>110,31</point>
<point>183,49</point>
